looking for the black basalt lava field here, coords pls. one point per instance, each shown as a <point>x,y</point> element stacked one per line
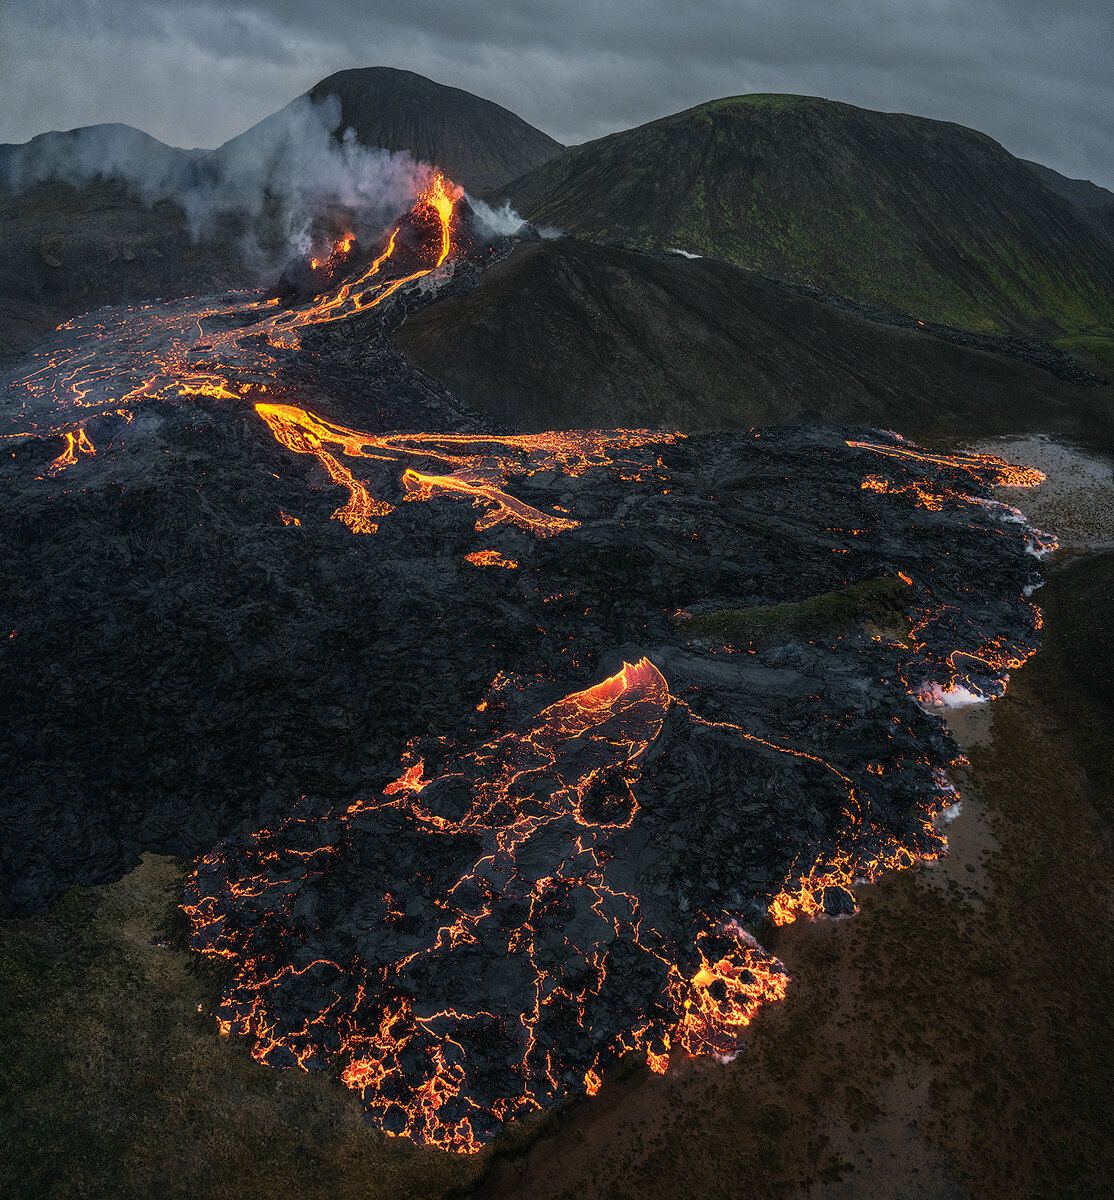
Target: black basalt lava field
<point>497,752</point>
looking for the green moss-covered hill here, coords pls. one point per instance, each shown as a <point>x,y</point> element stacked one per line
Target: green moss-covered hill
<point>927,217</point>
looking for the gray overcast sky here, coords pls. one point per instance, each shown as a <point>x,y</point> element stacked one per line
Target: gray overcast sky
<point>1034,74</point>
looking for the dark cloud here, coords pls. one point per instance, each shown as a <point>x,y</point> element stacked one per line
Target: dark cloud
<point>1034,76</point>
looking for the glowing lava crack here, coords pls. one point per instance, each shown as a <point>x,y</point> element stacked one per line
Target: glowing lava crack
<point>511,907</point>
<point>571,877</point>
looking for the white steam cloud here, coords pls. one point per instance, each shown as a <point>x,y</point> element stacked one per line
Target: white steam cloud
<point>264,187</point>
<point>498,222</point>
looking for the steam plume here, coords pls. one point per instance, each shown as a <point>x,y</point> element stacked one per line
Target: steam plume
<point>265,188</point>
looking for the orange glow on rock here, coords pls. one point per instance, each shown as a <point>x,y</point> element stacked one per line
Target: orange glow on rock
<point>490,558</point>
<point>410,1063</point>
<point>479,464</point>
<point>77,442</point>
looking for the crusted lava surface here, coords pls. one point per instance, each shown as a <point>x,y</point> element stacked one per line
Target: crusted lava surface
<point>477,815</point>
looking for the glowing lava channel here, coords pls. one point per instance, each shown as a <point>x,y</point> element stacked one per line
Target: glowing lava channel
<point>479,464</point>
<point>185,352</point>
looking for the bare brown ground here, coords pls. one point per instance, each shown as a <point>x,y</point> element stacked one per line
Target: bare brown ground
<point>953,1040</point>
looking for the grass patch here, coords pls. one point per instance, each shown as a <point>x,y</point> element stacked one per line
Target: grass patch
<point>876,605</point>
<point>115,1083</point>
<point>1097,347</point>
<point>774,100</point>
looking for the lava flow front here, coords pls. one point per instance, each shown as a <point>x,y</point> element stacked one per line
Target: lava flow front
<point>488,981</point>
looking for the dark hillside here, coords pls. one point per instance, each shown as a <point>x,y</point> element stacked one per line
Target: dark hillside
<point>567,334</point>
<point>1081,192</point>
<point>929,217</point>
<point>479,144</point>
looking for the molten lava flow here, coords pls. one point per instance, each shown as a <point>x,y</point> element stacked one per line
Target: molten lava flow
<point>547,943</point>
<point>481,464</point>
<point>986,467</point>
<point>717,1003</point>
<point>490,558</point>
<point>76,443</point>
<point>236,352</point>
<point>501,508</point>
<point>973,666</point>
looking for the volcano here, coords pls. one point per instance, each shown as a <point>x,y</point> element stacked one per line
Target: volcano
<point>101,215</point>
<point>514,639</point>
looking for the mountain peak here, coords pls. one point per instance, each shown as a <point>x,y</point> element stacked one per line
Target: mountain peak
<point>477,142</point>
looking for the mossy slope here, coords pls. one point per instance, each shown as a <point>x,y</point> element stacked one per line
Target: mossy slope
<point>928,217</point>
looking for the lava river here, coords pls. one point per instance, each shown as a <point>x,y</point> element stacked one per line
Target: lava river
<point>475,812</point>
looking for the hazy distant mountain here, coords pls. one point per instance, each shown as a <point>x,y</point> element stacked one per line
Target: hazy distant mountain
<point>568,334</point>
<point>78,155</point>
<point>1081,192</point>
<point>479,144</point>
<point>934,219</point>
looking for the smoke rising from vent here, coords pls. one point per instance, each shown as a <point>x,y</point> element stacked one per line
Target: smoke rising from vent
<point>500,222</point>
<point>268,189</point>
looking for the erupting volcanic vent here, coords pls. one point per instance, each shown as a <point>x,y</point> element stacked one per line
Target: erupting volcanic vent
<point>472,834</point>
<point>229,350</point>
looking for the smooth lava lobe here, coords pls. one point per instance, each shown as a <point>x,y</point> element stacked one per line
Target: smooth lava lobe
<point>456,941</point>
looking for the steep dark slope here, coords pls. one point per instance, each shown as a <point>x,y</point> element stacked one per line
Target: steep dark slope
<point>932,218</point>
<point>479,144</point>
<point>567,334</point>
